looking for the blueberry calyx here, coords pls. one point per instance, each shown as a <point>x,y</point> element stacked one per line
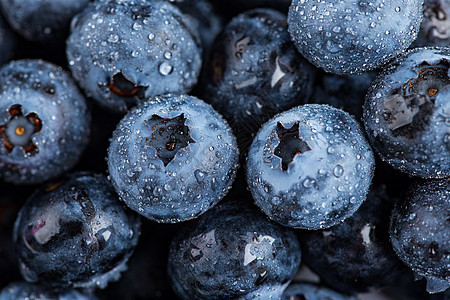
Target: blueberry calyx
<point>121,86</point>
<point>19,129</point>
<point>168,136</point>
<point>290,144</point>
<point>409,110</point>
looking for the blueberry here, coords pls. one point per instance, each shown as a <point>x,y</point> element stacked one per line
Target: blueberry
<point>75,232</point>
<point>41,20</point>
<point>347,37</point>
<point>435,27</point>
<point>407,113</point>
<point>310,167</point>
<point>308,291</point>
<point>254,71</point>
<point>44,122</point>
<point>420,231</point>
<point>359,247</point>
<point>233,252</point>
<point>123,51</point>
<point>23,290</point>
<point>172,158</point>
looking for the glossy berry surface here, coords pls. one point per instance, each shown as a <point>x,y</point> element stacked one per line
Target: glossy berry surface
<point>135,49</point>
<point>23,290</point>
<point>359,247</point>
<point>407,113</point>
<point>75,232</point>
<point>26,17</point>
<point>420,231</point>
<point>44,122</point>
<point>233,252</point>
<point>310,167</point>
<point>254,71</point>
<point>347,37</point>
<point>308,291</point>
<point>172,158</point>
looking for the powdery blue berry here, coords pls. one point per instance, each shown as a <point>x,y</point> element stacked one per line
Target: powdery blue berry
<point>407,113</point>
<point>310,167</point>
<point>345,37</point>
<point>172,158</point>
<point>44,122</point>
<point>233,252</point>
<point>122,51</point>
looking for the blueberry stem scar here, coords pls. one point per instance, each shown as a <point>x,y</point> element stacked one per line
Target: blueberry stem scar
<point>290,144</point>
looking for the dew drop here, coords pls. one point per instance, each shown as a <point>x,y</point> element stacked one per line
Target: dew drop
<point>165,68</point>
<point>199,175</point>
<point>338,171</point>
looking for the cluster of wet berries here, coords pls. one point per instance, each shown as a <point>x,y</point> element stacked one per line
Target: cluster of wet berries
<point>196,149</point>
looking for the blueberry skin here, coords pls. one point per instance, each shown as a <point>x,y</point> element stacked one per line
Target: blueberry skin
<point>407,113</point>
<point>312,292</point>
<point>75,233</point>
<point>22,290</point>
<point>136,49</point>
<point>349,37</point>
<point>310,167</point>
<point>233,252</point>
<point>44,122</point>
<point>172,158</point>
<point>435,27</point>
<point>254,71</point>
<point>420,231</point>
<point>41,20</point>
<point>359,247</point>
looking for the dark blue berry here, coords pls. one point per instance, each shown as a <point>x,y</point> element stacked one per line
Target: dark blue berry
<point>44,122</point>
<point>233,252</point>
<point>359,247</point>
<point>254,71</point>
<point>23,290</point>
<point>420,231</point>
<point>75,232</point>
<point>310,167</point>
<point>347,37</point>
<point>435,27</point>
<point>172,158</point>
<point>407,113</point>
<point>308,291</point>
<point>41,20</point>
<point>123,51</point>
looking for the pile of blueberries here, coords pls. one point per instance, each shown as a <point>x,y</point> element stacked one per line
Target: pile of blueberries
<point>206,149</point>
